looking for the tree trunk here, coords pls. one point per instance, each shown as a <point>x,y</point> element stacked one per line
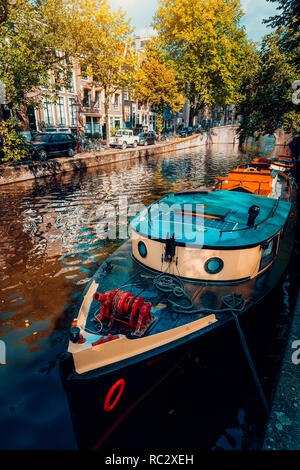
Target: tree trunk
<point>159,123</point>
<point>2,113</point>
<point>191,116</point>
<point>24,117</point>
<point>106,98</point>
<point>107,126</point>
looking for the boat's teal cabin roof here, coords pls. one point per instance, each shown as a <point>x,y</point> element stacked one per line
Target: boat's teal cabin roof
<point>216,219</point>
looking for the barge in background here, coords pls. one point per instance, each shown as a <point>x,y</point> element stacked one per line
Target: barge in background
<point>195,259</point>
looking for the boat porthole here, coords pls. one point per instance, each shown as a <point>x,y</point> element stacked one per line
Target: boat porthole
<point>142,249</point>
<point>214,265</point>
<point>108,406</point>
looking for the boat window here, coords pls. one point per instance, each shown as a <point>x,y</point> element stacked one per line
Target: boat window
<point>142,249</point>
<point>214,265</point>
<point>269,253</point>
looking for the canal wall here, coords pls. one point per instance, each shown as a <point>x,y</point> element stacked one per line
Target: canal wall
<point>283,429</point>
<point>283,426</point>
<point>266,144</point>
<point>24,171</point>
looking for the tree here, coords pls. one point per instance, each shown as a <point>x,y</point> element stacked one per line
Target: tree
<point>289,23</point>
<point>106,52</point>
<point>33,44</point>
<point>12,144</point>
<point>266,91</point>
<point>155,84</point>
<point>32,40</point>
<point>205,45</point>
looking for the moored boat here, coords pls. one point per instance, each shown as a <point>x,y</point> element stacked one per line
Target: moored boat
<point>282,163</point>
<point>194,259</point>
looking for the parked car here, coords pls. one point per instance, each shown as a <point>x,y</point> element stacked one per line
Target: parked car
<point>147,138</point>
<point>123,138</point>
<point>185,131</point>
<point>45,144</point>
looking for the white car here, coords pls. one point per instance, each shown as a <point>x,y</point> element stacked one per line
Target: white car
<point>123,138</point>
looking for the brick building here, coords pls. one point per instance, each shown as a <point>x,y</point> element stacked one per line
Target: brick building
<point>80,105</point>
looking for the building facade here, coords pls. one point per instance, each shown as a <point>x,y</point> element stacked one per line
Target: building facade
<point>78,108</point>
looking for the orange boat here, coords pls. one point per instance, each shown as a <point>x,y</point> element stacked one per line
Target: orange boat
<point>282,163</point>
<point>258,179</point>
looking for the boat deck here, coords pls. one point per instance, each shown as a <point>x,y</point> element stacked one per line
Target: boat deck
<point>129,275</point>
<point>126,275</point>
<point>215,219</point>
<point>170,327</point>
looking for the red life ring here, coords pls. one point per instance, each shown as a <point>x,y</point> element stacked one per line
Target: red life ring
<point>108,406</point>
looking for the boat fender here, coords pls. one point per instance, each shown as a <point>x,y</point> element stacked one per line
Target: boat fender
<point>75,336</point>
<point>108,405</point>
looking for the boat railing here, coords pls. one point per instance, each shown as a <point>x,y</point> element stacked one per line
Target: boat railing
<point>255,226</point>
<point>273,210</point>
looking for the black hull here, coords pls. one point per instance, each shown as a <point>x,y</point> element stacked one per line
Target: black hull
<point>96,429</point>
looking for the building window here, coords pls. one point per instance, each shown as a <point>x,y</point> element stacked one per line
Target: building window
<point>126,96</point>
<point>71,83</point>
<point>126,113</point>
<point>97,99</point>
<point>73,111</point>
<point>92,125</point>
<point>86,98</point>
<point>68,59</point>
<point>88,125</point>
<point>58,81</point>
<point>96,125</point>
<point>84,74</point>
<point>61,115</point>
<point>48,113</point>
<point>116,103</point>
<point>117,123</point>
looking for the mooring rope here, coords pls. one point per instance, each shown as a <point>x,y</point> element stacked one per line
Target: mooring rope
<point>233,303</point>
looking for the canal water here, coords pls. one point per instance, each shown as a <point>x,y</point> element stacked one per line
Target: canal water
<point>49,249</point>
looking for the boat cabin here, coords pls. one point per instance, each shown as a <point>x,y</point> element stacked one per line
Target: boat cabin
<point>212,235</point>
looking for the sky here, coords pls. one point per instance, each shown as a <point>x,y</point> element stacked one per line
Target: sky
<point>141,13</point>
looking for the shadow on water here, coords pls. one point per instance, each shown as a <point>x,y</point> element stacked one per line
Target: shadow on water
<point>49,249</point>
